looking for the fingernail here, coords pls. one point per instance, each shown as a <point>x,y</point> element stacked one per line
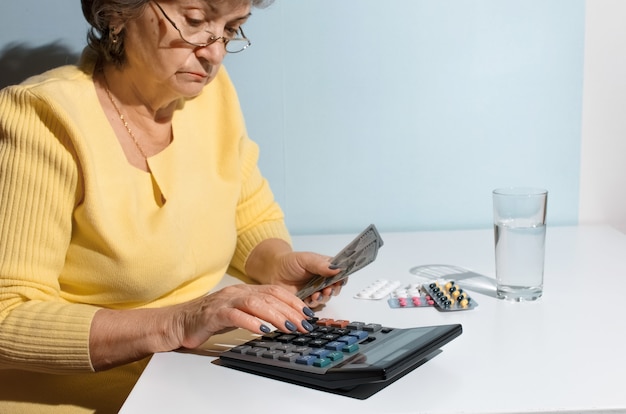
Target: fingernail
<point>290,326</point>
<point>265,329</point>
<point>308,312</point>
<point>306,325</point>
<point>334,267</point>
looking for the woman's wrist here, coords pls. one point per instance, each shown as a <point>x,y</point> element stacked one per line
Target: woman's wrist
<point>119,337</point>
<point>264,262</point>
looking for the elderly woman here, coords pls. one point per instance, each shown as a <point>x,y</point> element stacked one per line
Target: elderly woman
<point>128,188</point>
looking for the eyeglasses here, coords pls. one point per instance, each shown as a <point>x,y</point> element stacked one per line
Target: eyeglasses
<point>196,35</point>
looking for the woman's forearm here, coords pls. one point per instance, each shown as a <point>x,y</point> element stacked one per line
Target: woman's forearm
<point>118,337</point>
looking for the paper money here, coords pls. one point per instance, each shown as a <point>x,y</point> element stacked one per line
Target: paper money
<point>356,255</point>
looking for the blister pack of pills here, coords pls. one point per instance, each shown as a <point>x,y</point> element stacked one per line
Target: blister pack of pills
<point>380,289</point>
<point>411,296</point>
<point>448,296</point>
<point>445,295</point>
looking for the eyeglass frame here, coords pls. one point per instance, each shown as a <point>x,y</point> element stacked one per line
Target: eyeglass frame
<point>212,38</point>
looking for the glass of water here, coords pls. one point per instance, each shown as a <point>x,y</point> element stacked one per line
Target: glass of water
<point>520,235</point>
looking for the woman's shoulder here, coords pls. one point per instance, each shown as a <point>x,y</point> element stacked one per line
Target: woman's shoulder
<point>59,81</point>
<point>67,88</point>
<point>62,78</point>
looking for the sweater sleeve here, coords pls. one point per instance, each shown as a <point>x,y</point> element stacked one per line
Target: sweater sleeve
<point>39,188</point>
<point>259,216</point>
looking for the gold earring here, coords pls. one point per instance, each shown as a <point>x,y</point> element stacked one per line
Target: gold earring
<point>114,37</point>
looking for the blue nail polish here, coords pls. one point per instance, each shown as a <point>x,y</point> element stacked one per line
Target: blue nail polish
<point>334,267</point>
<point>308,312</point>
<point>306,325</point>
<point>290,326</point>
<point>265,329</point>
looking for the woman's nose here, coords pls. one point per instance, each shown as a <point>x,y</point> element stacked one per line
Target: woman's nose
<point>214,53</point>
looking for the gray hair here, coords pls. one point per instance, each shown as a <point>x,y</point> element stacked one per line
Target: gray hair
<point>102,38</point>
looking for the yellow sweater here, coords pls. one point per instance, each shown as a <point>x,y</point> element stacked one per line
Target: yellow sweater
<point>80,229</point>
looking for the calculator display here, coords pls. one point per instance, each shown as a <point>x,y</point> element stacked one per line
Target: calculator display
<point>394,349</point>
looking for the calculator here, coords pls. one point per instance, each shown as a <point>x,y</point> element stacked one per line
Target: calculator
<point>339,354</point>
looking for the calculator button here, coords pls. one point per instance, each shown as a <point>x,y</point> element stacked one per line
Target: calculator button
<point>318,343</point>
<point>289,357</point>
<point>264,344</point>
<point>356,325</point>
<point>306,359</point>
<point>271,336</point>
<point>348,349</point>
<point>330,337</point>
<point>372,327</point>
<point>348,339</point>
<point>302,350</point>
<point>240,349</point>
<point>272,354</point>
<point>325,329</point>
<point>322,362</point>
<point>359,334</point>
<point>256,351</point>
<point>285,347</point>
<point>301,340</point>
<point>335,345</point>
<point>321,353</point>
<point>335,356</point>
<point>340,323</point>
<point>286,338</point>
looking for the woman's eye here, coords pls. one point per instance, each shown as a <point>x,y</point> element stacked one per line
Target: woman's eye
<point>231,32</point>
<point>194,22</point>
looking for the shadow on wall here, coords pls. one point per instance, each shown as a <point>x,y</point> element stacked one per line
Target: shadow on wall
<point>18,61</point>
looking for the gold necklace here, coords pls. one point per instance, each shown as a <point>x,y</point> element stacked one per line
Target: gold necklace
<point>123,119</point>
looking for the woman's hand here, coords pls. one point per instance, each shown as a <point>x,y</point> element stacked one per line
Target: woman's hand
<point>121,336</point>
<point>249,307</point>
<point>274,262</point>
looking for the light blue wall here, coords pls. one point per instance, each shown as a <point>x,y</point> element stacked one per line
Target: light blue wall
<point>40,22</point>
<point>403,113</point>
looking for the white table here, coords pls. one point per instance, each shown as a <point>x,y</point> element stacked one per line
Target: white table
<point>562,353</point>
